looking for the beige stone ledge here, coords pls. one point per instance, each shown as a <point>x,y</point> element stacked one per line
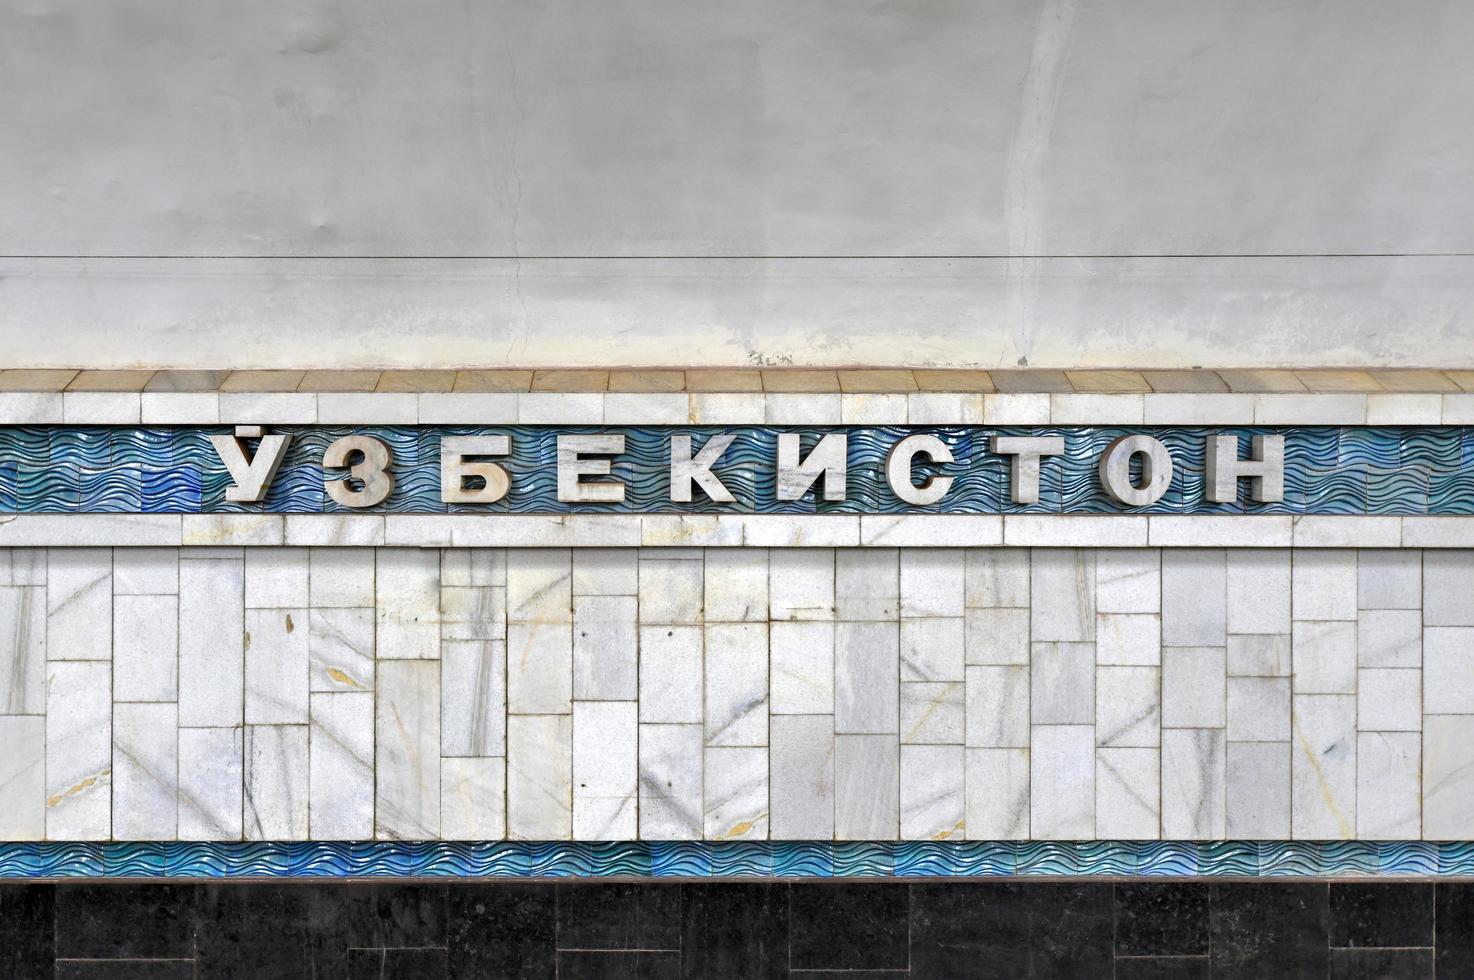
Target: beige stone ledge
<point>735,530</point>
<point>725,408</point>
<point>858,380</point>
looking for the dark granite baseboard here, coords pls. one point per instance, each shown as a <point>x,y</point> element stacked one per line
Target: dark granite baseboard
<point>575,929</point>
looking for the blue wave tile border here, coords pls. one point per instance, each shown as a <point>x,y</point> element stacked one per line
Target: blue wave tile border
<point>899,860</point>
<point>166,470</point>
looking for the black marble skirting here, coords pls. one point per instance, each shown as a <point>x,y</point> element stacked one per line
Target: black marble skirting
<point>1129,930</point>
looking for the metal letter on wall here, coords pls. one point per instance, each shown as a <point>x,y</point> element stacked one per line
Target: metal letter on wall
<point>252,476</point>
<point>1156,470</point>
<point>455,469</point>
<point>1024,470</point>
<point>898,469</point>
<point>372,471</point>
<point>686,469</point>
<point>573,466</point>
<point>1265,469</point>
<point>829,459</point>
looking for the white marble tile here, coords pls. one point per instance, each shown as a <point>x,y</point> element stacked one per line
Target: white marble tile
<point>1193,784</point>
<point>1324,585</point>
<point>103,407</point>
<point>996,636</point>
<point>801,584</point>
<point>670,674</point>
<point>407,751</point>
<point>1128,580</point>
<point>1258,590</point>
<point>367,408</point>
<point>932,713</point>
<point>473,612</point>
<point>736,668</point>
<point>1389,638</point>
<point>1389,578</point>
<point>1448,670</point>
<point>1194,598</point>
<point>670,591</point>
<point>211,641</point>
<point>145,571</point>
<point>1193,687</point>
<point>1016,409</point>
<point>1448,584</point>
<point>1062,684</point>
<point>932,792</point>
<point>605,647</point>
<point>604,571</point>
<point>79,746</point>
<point>22,566</point>
<point>805,531</point>
<point>79,604</point>
<point>539,668</point>
<point>145,648</point>
<point>473,799</point>
<point>943,408</point>
<point>997,794</point>
<point>1388,783</point>
<point>232,530</point>
<point>277,578</point>
<point>996,578</point>
<point>932,649</point>
<point>488,566</point>
<point>1323,768</point>
<point>1128,794</point>
<point>1448,777</point>
<point>340,802</point>
<point>1075,531</point>
<point>274,407</point>
<point>727,408</point>
<point>1389,700</point>
<point>145,771</point>
<point>997,707</point>
<point>606,761</point>
<point>802,409</point>
<point>736,585</point>
<point>1412,408</point>
<point>335,530</point>
<point>210,783</point>
<point>671,759</point>
<point>1259,656</point>
<point>801,783</point>
<point>276,666</point>
<point>1324,657</point>
<point>179,407</point>
<point>340,647</point>
<point>735,802</point>
<point>540,585</point>
<point>23,778</point>
<point>931,530</point>
<point>1127,707</point>
<point>866,787</point>
<point>1259,709</point>
<point>1062,782</point>
<point>407,594</point>
<point>802,658</point>
<point>22,650</point>
<point>932,581</point>
<point>1315,408</point>
<point>1198,408</point>
<point>341,577</point>
<point>1258,790</point>
<point>1095,409</point>
<point>276,783</point>
<point>31,408</point>
<point>540,777</point>
<point>473,408</point>
<point>867,584</point>
<point>1062,584</point>
<point>1129,639</point>
<point>560,408</point>
<point>866,659</point>
<point>473,700</point>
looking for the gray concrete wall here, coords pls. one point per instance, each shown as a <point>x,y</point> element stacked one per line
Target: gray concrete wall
<point>920,182</point>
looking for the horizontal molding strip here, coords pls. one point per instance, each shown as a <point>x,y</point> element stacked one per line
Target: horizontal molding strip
<point>731,408</point>
<point>736,530</point>
<point>737,859</point>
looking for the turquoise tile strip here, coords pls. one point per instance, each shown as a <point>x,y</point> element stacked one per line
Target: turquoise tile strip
<point>1328,470</point>
<point>736,859</point>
